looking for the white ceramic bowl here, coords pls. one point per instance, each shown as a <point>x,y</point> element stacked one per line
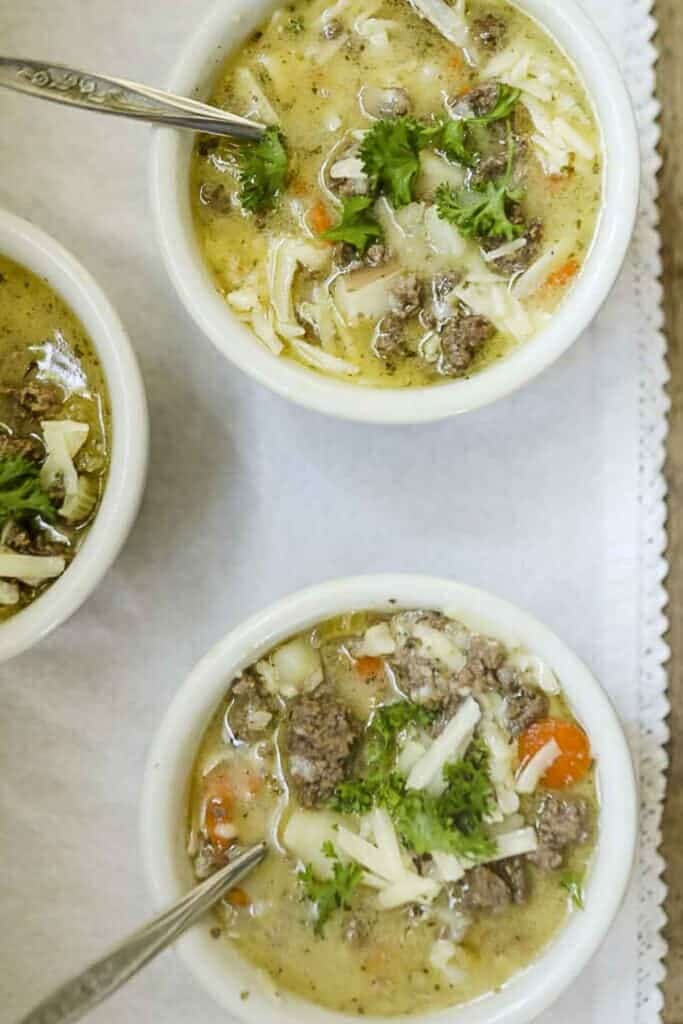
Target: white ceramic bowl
<point>225,28</point>
<point>27,245</point>
<point>165,795</point>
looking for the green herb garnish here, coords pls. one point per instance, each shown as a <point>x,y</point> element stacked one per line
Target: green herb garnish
<point>390,151</point>
<point>454,136</point>
<point>426,822</point>
<point>295,25</point>
<point>332,893</point>
<point>357,226</point>
<point>390,156</point>
<point>358,796</point>
<point>572,881</point>
<point>505,102</point>
<point>452,822</point>
<point>21,493</point>
<point>482,212</point>
<point>381,738</point>
<point>262,169</point>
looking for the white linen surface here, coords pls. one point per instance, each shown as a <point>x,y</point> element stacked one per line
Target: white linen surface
<point>552,498</point>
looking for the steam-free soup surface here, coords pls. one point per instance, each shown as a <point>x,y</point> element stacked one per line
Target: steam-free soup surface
<point>430,804</point>
<point>420,207</point>
<point>54,436</point>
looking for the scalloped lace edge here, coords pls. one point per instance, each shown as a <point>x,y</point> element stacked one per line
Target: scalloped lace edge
<point>640,60</point>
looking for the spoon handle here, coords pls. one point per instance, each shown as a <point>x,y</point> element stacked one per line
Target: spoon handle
<point>82,993</point>
<point>75,88</point>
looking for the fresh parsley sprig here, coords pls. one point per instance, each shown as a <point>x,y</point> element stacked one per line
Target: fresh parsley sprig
<point>21,493</point>
<point>262,170</point>
<point>390,150</point>
<point>357,225</point>
<point>482,212</point>
<point>455,136</point>
<point>572,882</point>
<point>330,894</point>
<point>453,822</point>
<point>390,153</point>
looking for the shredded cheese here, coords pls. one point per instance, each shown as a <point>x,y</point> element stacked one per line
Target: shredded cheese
<point>451,744</point>
<point>448,867</point>
<point>514,844</point>
<point>449,19</point>
<point>412,888</point>
<point>533,771</point>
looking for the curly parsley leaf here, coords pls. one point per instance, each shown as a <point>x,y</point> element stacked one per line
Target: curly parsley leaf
<point>572,882</point>
<point>262,170</point>
<point>506,101</point>
<point>21,493</point>
<point>453,822</point>
<point>482,212</point>
<point>357,226</point>
<point>469,795</point>
<point>454,136</point>
<point>380,747</point>
<point>355,796</point>
<point>381,738</point>
<point>479,212</point>
<point>390,153</point>
<point>332,893</point>
<point>424,825</point>
<point>454,142</point>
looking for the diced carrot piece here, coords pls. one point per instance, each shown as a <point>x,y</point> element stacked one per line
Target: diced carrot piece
<point>219,791</point>
<point>218,824</point>
<point>319,218</point>
<point>455,61</point>
<point>238,898</point>
<point>575,760</point>
<point>563,275</point>
<point>368,668</point>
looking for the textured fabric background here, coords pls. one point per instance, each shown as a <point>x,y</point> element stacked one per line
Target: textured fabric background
<point>552,498</point>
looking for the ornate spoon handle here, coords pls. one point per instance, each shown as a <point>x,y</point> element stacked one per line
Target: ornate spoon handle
<point>81,994</point>
<point>117,96</point>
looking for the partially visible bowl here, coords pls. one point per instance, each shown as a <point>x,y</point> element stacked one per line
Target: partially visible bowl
<point>32,248</point>
<point>169,768</point>
<point>227,25</point>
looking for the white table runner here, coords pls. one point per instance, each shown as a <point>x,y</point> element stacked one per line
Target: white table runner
<point>552,498</point>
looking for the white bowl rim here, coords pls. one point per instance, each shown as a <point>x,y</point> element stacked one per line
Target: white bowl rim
<point>163,805</point>
<point>580,38</point>
<point>31,247</point>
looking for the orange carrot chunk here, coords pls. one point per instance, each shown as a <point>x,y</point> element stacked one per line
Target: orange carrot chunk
<point>368,668</point>
<point>220,795</point>
<point>575,760</point>
<point>220,830</point>
<point>563,275</point>
<point>238,898</point>
<point>319,218</point>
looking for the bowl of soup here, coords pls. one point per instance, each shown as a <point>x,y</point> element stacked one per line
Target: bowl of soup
<point>441,202</point>
<point>446,792</point>
<point>73,434</point>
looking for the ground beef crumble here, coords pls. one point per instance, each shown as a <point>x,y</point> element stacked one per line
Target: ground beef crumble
<point>319,742</point>
<point>560,823</point>
<point>252,712</point>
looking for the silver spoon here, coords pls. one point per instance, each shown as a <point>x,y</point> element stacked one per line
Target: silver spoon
<point>81,994</point>
<point>117,96</point>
